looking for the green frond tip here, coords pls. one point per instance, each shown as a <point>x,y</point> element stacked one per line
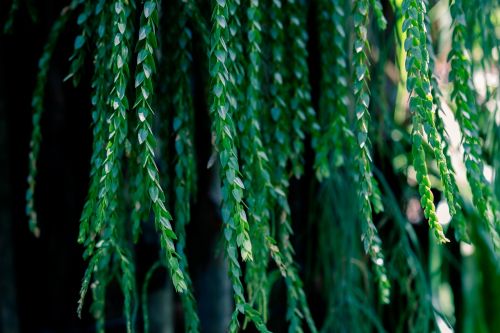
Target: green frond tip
<point>424,187</point>
<point>445,166</point>
<point>86,282</point>
<point>256,318</point>
<point>377,258</point>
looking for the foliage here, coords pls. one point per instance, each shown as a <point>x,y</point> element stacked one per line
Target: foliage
<point>271,107</point>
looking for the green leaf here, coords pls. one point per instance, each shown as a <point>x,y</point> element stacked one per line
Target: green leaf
<point>238,182</point>
<point>149,7</point>
<point>143,134</point>
<point>153,193</point>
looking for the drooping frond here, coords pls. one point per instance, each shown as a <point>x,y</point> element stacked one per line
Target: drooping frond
<point>368,187</point>
<point>418,85</point>
<point>38,108</point>
<point>468,117</point>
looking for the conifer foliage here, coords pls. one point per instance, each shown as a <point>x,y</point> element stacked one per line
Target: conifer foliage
<point>270,108</point>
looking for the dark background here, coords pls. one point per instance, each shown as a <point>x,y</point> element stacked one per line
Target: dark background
<point>44,281</point>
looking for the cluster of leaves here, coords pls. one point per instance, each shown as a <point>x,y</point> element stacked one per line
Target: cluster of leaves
<point>262,119</point>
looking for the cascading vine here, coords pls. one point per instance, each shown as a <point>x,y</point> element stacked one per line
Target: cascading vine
<point>101,85</point>
<point>334,98</point>
<point>279,90</point>
<point>468,117</point>
<point>270,108</point>
<point>144,89</point>
<point>106,242</point>
<point>185,166</point>
<point>99,262</point>
<point>37,104</point>
<point>419,87</point>
<point>255,167</point>
<point>302,113</point>
<point>450,186</point>
<point>225,105</point>
<point>368,188</point>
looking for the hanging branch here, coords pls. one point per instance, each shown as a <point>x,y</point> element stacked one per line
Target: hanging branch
<point>280,111</point>
<point>236,54</point>
<point>236,227</point>
<point>418,85</point>
<point>117,122</point>
<point>107,228</point>
<point>255,163</point>
<point>144,89</point>
<point>333,102</point>
<point>478,15</point>
<point>185,166</point>
<point>303,115</point>
<point>101,86</point>
<point>233,213</point>
<point>38,108</point>
<point>100,102</point>
<point>368,188</point>
<point>282,252</point>
<point>468,118</point>
<point>452,188</point>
